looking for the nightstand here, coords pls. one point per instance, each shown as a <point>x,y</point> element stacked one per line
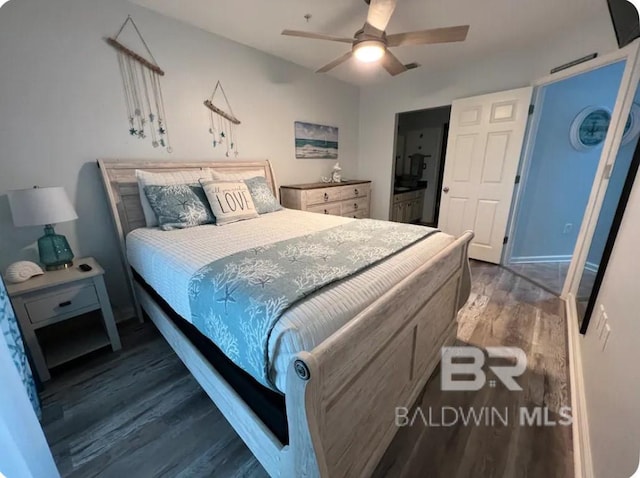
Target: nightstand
<point>57,313</point>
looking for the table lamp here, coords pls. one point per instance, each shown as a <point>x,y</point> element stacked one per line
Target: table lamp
<point>45,207</point>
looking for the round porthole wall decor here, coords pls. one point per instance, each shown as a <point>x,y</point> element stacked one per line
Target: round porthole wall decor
<point>632,128</point>
<point>589,128</point>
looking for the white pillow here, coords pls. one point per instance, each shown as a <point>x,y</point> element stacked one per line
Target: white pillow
<point>236,176</point>
<point>230,201</point>
<point>145,178</point>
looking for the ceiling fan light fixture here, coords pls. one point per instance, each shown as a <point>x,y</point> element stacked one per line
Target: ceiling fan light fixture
<point>369,51</point>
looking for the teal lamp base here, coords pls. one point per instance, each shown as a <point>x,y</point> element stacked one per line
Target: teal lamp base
<point>55,253</point>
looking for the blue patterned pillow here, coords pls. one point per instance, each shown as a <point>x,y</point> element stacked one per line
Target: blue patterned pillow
<point>263,198</point>
<point>179,206</point>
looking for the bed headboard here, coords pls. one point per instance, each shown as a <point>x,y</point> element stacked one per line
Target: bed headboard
<point>121,186</point>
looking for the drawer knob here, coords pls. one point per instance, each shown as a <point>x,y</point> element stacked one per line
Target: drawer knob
<point>326,212</point>
<point>64,304</point>
<point>326,197</point>
<point>355,205</point>
<point>356,191</point>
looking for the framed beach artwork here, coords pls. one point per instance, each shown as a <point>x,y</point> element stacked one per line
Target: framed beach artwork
<point>315,141</point>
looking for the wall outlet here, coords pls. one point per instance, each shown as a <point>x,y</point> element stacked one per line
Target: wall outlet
<point>568,227</point>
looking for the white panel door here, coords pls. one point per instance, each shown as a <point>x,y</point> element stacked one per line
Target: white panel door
<point>483,151</point>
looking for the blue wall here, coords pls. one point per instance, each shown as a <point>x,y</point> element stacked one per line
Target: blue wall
<point>611,199</point>
<point>560,178</point>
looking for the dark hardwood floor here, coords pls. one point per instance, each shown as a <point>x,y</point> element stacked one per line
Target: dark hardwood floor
<point>138,413</point>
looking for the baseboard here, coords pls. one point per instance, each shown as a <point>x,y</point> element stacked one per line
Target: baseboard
<point>583,465</point>
<point>537,259</point>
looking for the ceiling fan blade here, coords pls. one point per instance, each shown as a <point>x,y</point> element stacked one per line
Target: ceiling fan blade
<point>315,36</point>
<point>380,12</point>
<point>392,64</point>
<point>334,63</point>
<point>435,35</point>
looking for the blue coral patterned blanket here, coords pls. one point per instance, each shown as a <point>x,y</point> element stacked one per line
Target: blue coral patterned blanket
<point>236,301</point>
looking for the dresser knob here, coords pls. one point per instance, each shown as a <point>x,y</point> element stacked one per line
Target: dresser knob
<point>355,205</point>
<point>326,197</point>
<point>356,191</point>
<point>326,212</point>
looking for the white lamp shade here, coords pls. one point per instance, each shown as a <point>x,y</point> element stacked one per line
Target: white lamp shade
<point>40,206</point>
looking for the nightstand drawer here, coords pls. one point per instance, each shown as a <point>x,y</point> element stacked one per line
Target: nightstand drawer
<point>355,205</point>
<point>68,300</point>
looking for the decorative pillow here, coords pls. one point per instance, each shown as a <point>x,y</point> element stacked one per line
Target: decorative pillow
<point>262,196</point>
<point>230,201</point>
<point>146,178</point>
<point>179,206</point>
<point>236,176</point>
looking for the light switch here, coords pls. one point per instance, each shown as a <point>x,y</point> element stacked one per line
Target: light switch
<point>605,335</point>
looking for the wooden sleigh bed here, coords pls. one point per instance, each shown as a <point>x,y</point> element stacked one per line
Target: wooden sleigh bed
<point>341,396</point>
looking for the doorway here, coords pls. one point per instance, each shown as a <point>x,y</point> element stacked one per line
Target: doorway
<point>418,166</point>
<point>557,171</point>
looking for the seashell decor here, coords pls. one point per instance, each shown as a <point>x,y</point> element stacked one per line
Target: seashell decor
<point>22,271</point>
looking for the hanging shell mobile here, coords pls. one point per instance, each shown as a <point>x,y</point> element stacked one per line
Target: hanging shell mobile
<point>222,124</point>
<point>146,114</point>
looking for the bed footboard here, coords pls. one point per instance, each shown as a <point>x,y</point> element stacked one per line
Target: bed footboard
<point>341,396</point>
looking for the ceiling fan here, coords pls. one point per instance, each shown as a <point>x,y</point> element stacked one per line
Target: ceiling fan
<point>371,43</point>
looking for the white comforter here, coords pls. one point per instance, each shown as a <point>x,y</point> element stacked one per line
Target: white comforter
<point>167,260</point>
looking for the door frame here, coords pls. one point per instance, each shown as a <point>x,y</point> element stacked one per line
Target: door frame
<point>624,101</point>
<point>537,100</point>
<point>613,141</point>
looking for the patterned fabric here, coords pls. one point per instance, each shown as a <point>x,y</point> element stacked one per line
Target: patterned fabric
<point>169,178</point>
<point>11,334</point>
<point>262,196</point>
<point>237,300</point>
<point>179,206</point>
<point>230,201</point>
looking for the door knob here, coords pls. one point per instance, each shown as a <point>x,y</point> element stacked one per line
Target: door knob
<point>446,189</point>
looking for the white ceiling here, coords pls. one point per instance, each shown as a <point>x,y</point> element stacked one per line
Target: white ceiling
<point>496,25</point>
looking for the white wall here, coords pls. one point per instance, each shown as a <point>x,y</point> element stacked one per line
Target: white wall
<point>424,88</point>
<point>612,376</point>
<point>62,108</point>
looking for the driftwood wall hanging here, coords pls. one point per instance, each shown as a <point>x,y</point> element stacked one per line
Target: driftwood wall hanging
<point>143,95</point>
<point>222,123</point>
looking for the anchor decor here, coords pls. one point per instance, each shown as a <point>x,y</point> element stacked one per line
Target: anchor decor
<point>222,123</point>
<point>143,95</point>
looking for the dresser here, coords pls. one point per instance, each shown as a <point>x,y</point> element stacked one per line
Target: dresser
<point>348,198</point>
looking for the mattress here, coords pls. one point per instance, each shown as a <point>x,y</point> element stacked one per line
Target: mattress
<point>166,260</point>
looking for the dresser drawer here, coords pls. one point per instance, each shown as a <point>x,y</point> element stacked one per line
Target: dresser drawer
<point>352,205</point>
<point>70,299</point>
<point>355,191</point>
<point>321,196</point>
<point>335,209</point>
<point>359,214</point>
